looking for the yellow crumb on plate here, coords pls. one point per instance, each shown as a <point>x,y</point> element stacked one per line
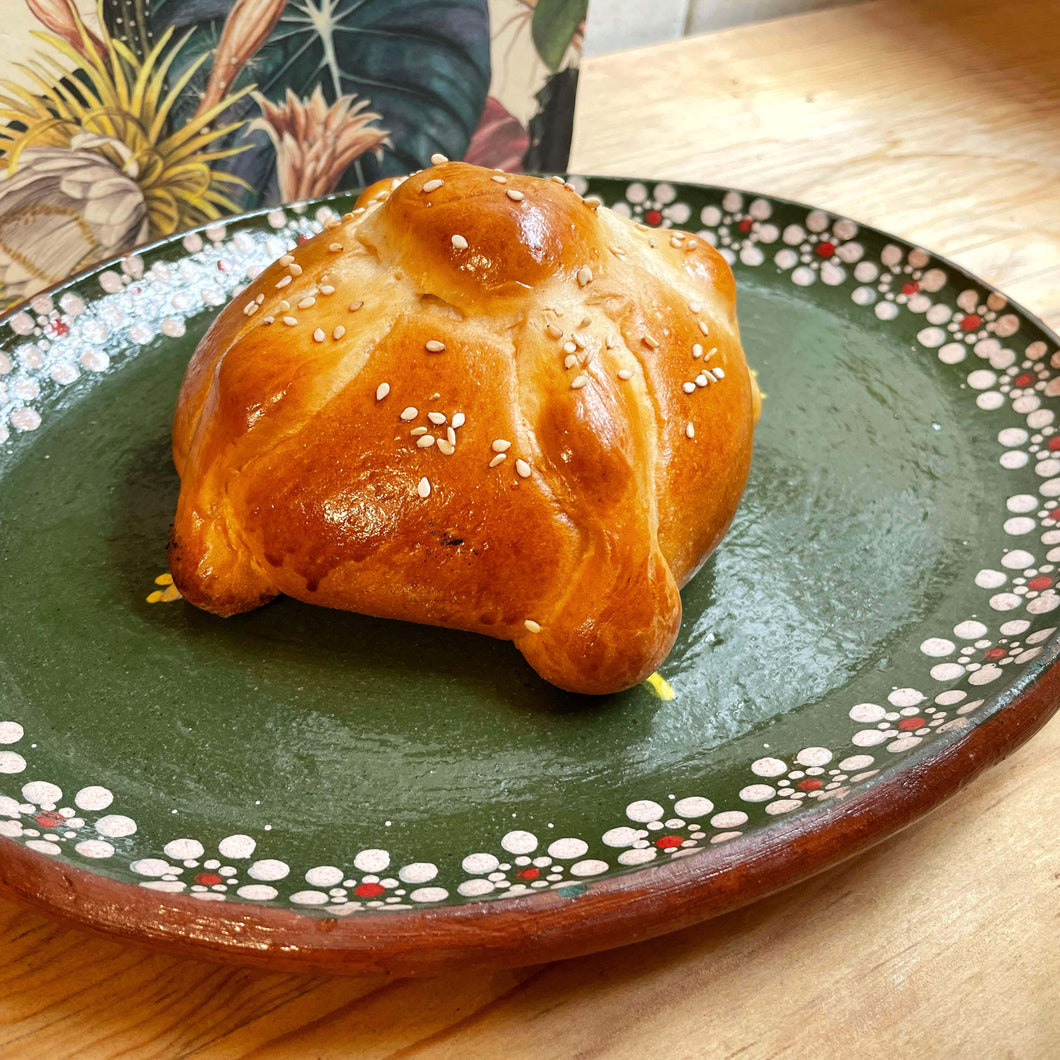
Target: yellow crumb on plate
<point>660,686</point>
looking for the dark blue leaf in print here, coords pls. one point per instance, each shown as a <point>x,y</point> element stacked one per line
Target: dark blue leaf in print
<point>423,66</point>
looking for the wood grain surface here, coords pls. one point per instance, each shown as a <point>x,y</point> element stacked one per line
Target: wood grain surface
<point>939,122</point>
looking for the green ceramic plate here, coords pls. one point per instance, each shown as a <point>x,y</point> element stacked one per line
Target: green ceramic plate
<point>887,587</point>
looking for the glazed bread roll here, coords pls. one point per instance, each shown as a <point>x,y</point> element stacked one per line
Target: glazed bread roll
<point>478,401</point>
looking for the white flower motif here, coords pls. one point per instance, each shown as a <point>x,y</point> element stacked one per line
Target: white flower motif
<point>740,230</point>
<point>900,278</point>
<point>820,249</point>
<point>657,209</point>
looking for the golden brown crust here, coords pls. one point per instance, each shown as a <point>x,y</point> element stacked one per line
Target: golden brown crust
<point>569,333</point>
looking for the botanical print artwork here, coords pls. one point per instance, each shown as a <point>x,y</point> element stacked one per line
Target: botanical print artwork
<point>141,118</point>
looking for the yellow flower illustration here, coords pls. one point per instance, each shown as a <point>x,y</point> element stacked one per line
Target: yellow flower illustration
<point>92,164</point>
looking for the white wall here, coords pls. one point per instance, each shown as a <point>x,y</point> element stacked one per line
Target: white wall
<point>616,24</point>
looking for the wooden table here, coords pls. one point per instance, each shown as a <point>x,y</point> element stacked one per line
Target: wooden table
<point>939,121</point>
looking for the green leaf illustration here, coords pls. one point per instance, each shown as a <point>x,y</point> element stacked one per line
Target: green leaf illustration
<point>424,65</point>
<point>553,26</point>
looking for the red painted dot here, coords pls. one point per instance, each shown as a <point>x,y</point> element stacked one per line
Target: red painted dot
<point>221,266</point>
<point>825,249</point>
<point>746,224</point>
<point>49,819</point>
<point>971,321</point>
<point>1025,379</point>
<point>994,653</point>
<point>910,288</point>
<point>653,217</point>
<point>810,784</point>
<point>208,879</point>
<point>1054,515</point>
<point>57,328</point>
<point>668,842</point>
<point>303,239</point>
<point>369,890</point>
<point>528,874</point>
<point>1053,443</point>
<point>909,724</point>
<point>1039,583</point>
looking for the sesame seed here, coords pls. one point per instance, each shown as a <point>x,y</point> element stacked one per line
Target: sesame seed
<point>570,361</point>
<point>570,187</point>
<point>702,379</point>
<point>594,202</point>
<point>534,627</point>
<point>569,347</point>
<point>250,308</point>
<point>326,288</point>
<point>450,433</point>
<point>332,222</point>
<point>358,211</point>
<point>625,373</point>
<point>459,243</point>
<point>381,391</point>
<point>697,350</point>
<point>557,180</point>
<point>287,259</point>
<point>459,420</point>
<point>432,185</point>
<point>650,341</point>
<point>426,441</point>
<point>259,299</point>
<point>294,269</point>
<point>290,321</point>
<point>498,459</point>
<point>423,488</point>
<point>410,413</point>
<point>642,227</point>
<point>703,327</point>
<point>515,196</point>
<point>354,306</point>
<point>307,302</point>
<point>586,321</point>
<point>335,247</point>
<point>285,306</point>
<point>284,281</point>
<point>652,242</point>
<point>553,332</point>
<point>501,445</point>
<point>618,252</point>
<point>497,178</point>
<point>445,447</point>
<point>338,333</point>
<point>578,382</point>
<point>675,241</point>
<point>418,432</point>
<point>268,319</point>
<point>688,388</point>
<point>585,276</point>
<point>710,353</point>
<point>522,469</point>
<point>612,341</point>
<point>437,418</point>
<point>692,244</point>
<point>438,159</point>
<point>318,335</point>
<point>434,346</point>
<point>578,341</point>
<point>690,431</point>
<point>718,373</point>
